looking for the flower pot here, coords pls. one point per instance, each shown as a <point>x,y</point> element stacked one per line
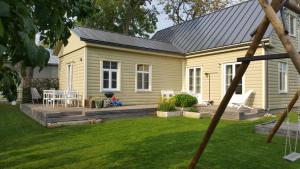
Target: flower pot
<point>196,115</point>
<point>168,114</point>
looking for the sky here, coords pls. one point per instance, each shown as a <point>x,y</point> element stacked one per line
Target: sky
<point>163,21</point>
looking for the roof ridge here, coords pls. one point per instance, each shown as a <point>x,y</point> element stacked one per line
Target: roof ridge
<point>97,29</point>
<point>203,15</point>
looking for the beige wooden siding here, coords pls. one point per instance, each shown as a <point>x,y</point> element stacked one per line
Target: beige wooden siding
<point>166,74</point>
<point>275,99</point>
<point>74,43</point>
<point>76,58</point>
<point>213,64</point>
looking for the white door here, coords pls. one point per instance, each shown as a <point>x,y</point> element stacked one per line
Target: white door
<point>195,82</point>
<point>69,77</point>
<point>229,73</point>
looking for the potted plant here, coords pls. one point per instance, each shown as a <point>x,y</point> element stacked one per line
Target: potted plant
<point>193,112</point>
<point>98,103</point>
<point>166,108</point>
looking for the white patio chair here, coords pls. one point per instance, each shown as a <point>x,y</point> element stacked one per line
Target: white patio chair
<point>242,102</point>
<point>35,95</point>
<point>167,94</point>
<point>70,97</point>
<point>47,97</point>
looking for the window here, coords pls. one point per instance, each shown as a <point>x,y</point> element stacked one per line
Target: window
<point>194,77</point>
<point>283,79</point>
<point>110,76</point>
<point>230,71</point>
<point>292,24</point>
<point>69,77</point>
<point>143,77</point>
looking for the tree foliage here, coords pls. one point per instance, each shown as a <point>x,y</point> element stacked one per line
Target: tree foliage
<point>182,10</point>
<point>130,17</point>
<point>21,20</point>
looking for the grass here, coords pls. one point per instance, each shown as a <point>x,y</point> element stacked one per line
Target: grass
<point>145,143</point>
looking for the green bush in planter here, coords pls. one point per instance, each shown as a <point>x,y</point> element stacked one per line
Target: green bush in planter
<point>166,105</point>
<point>184,100</point>
<point>192,109</point>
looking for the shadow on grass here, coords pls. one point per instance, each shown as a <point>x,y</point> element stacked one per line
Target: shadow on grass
<point>232,147</point>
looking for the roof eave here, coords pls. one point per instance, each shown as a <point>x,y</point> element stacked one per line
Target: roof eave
<point>129,46</point>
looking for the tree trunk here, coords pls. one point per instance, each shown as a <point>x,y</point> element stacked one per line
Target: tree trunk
<point>26,84</point>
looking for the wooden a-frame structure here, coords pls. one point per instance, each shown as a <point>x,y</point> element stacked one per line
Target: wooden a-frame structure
<point>270,10</point>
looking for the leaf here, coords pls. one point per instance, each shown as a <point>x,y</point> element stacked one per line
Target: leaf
<point>2,49</point>
<point>4,9</point>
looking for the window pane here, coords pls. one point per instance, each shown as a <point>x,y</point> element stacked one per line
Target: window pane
<point>146,68</point>
<point>191,79</point>
<point>239,89</point>
<point>113,84</point>
<point>140,67</point>
<point>106,65</point>
<point>292,22</point>
<point>146,81</point>
<point>139,81</point>
<point>105,84</point>
<point>198,80</point>
<point>114,75</point>
<point>228,76</point>
<point>114,65</point>
<point>105,75</point>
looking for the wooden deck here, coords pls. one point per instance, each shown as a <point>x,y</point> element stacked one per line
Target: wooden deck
<point>59,116</point>
<point>234,113</point>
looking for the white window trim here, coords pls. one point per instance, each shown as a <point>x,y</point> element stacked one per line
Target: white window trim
<point>118,89</point>
<point>286,80</point>
<point>71,72</point>
<point>188,79</point>
<point>150,78</point>
<point>224,78</point>
<point>294,25</point>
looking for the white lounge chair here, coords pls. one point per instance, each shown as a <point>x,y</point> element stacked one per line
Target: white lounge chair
<point>242,102</point>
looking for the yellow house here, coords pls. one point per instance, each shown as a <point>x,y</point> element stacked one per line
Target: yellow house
<point>197,56</point>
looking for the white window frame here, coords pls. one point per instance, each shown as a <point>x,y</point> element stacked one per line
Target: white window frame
<point>118,71</point>
<point>284,91</point>
<point>233,75</point>
<point>294,24</point>
<point>136,78</point>
<point>69,78</point>
<point>194,79</point>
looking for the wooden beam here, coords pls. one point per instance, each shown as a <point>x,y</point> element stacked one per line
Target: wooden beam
<point>263,57</point>
<point>277,4</point>
<point>283,116</point>
<point>280,31</point>
<point>292,6</point>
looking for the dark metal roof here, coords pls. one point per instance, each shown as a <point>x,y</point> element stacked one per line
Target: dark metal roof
<point>229,26</point>
<point>119,40</point>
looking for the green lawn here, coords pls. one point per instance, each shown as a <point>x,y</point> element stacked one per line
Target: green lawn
<point>134,143</point>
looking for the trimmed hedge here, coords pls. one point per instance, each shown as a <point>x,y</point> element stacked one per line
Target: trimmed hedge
<point>184,100</point>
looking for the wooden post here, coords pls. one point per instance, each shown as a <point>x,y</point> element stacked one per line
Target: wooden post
<point>283,116</point>
<point>280,31</point>
<point>292,6</point>
<point>277,4</point>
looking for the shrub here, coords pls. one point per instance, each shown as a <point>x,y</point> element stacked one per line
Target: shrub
<point>184,100</point>
<point>192,109</point>
<point>166,105</point>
